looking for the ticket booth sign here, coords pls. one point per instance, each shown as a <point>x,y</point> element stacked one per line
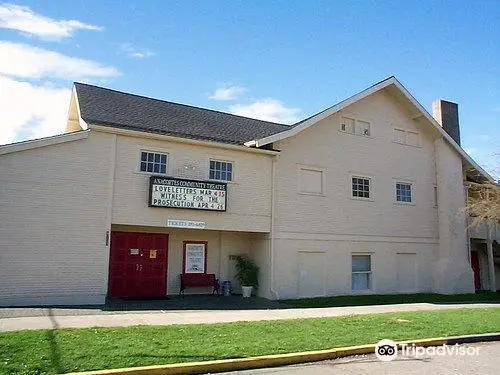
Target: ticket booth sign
<point>192,194</point>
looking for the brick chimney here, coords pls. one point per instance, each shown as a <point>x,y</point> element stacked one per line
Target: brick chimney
<point>446,114</point>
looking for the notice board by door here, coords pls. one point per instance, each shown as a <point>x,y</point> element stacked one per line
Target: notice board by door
<point>138,265</point>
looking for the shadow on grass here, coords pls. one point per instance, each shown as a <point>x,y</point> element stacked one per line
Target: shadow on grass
<point>390,299</point>
<point>55,353</point>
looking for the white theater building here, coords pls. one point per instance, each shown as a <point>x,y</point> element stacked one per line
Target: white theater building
<point>363,197</point>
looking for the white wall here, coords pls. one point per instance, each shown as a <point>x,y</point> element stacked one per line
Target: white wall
<point>248,197</point>
<point>339,226</point>
<point>452,270</point>
<point>54,216</point>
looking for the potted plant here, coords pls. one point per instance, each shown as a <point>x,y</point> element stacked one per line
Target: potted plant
<point>247,273</point>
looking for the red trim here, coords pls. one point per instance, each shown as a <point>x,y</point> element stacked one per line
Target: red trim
<point>184,243</point>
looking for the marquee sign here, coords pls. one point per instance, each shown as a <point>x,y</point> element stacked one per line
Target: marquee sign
<point>180,193</point>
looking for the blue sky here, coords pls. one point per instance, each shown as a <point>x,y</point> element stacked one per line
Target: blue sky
<point>279,60</point>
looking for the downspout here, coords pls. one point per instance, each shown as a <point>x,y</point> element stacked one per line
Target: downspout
<point>109,208</point>
<point>273,213</point>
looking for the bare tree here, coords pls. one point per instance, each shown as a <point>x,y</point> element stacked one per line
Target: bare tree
<point>483,204</point>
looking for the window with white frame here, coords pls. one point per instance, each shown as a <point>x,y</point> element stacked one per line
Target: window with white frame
<point>153,162</point>
<point>360,187</point>
<point>220,170</point>
<point>406,137</point>
<point>361,272</point>
<point>354,126</point>
<point>403,192</point>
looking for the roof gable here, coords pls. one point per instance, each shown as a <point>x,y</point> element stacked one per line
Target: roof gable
<point>390,82</point>
<point>101,106</point>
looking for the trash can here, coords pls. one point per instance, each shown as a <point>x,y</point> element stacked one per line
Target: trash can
<point>226,288</point>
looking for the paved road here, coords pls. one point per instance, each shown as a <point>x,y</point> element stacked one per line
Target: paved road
<point>487,362</point>
<point>52,321</point>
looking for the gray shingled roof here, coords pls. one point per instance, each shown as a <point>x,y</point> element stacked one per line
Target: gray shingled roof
<point>107,107</point>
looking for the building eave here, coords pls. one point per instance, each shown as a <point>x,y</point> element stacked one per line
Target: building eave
<point>359,96</point>
<point>43,142</point>
<point>164,137</point>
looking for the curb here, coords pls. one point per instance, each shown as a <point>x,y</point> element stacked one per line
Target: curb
<point>280,359</point>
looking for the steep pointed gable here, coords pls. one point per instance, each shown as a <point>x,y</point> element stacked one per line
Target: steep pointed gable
<point>401,93</point>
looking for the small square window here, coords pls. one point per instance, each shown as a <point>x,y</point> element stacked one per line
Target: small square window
<point>361,187</point>
<point>153,162</point>
<point>403,192</point>
<point>220,170</point>
<point>347,125</point>
<point>362,128</point>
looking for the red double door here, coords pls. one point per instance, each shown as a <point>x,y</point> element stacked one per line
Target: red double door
<point>138,265</point>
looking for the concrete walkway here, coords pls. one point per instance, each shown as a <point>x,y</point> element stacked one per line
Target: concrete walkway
<point>163,317</point>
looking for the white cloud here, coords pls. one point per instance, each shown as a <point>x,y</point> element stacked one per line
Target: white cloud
<point>267,109</point>
<point>228,93</point>
<point>23,19</point>
<point>470,150</point>
<point>29,111</point>
<point>22,60</point>
<point>135,53</point>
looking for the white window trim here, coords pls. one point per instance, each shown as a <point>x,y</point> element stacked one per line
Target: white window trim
<point>371,191</point>
<point>372,282</point>
<point>406,139</point>
<point>356,119</point>
<point>316,169</point>
<point>141,149</point>
<point>395,195</point>
<point>222,159</point>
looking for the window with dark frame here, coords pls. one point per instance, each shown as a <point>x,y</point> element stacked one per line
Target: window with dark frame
<point>360,187</point>
<point>220,170</point>
<point>403,192</point>
<point>153,162</point>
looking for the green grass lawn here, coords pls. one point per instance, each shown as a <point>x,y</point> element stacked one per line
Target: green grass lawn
<point>385,299</point>
<point>66,350</point>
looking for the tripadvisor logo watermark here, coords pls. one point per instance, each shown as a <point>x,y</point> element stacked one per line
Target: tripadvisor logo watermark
<point>387,350</point>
